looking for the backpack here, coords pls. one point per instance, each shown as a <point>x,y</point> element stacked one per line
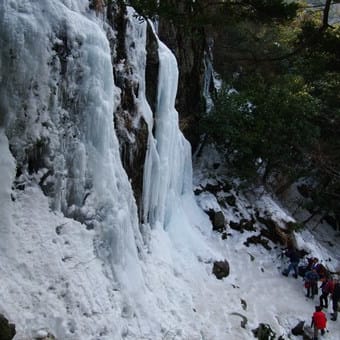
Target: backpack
<point>328,287</point>
<point>321,270</point>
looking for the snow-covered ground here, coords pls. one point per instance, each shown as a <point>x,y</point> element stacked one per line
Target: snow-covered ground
<point>53,281</point>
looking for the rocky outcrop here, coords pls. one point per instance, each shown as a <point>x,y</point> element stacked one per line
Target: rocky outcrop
<point>131,128</point>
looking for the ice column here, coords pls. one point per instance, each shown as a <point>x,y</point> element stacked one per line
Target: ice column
<point>168,168</point>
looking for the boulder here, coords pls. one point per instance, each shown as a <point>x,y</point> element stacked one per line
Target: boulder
<point>264,332</point>
<point>221,269</point>
<point>7,329</point>
<point>217,219</point>
<point>244,224</point>
<point>298,329</point>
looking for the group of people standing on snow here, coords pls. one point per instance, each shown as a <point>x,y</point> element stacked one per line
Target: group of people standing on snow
<point>313,272</point>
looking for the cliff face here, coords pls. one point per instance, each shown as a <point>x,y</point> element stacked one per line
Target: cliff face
<point>189,46</point>
<point>130,125</point>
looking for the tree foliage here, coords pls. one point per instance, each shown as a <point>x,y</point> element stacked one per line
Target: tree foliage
<point>265,128</point>
<point>195,13</point>
<point>290,75</point>
<point>319,64</point>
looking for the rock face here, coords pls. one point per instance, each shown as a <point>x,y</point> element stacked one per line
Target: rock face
<point>188,45</point>
<point>130,126</point>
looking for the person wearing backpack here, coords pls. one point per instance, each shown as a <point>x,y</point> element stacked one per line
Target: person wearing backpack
<point>319,321</point>
<point>327,288</point>
<point>321,270</point>
<point>294,257</point>
<point>335,299</point>
<point>307,266</point>
<point>311,283</point>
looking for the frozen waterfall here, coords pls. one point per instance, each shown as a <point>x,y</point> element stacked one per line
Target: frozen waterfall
<point>72,236</point>
<point>168,169</point>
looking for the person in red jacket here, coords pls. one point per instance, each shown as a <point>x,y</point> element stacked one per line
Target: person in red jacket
<point>319,321</point>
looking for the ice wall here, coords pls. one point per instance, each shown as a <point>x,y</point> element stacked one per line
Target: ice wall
<point>58,98</point>
<point>167,170</point>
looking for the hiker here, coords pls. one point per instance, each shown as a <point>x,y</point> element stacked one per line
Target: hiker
<point>319,321</point>
<point>294,258</point>
<point>335,299</point>
<point>305,267</point>
<point>311,283</point>
<point>314,263</point>
<point>327,288</point>
<point>321,270</point>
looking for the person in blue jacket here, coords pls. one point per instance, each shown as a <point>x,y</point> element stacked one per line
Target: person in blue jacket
<point>311,283</point>
<point>294,259</point>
